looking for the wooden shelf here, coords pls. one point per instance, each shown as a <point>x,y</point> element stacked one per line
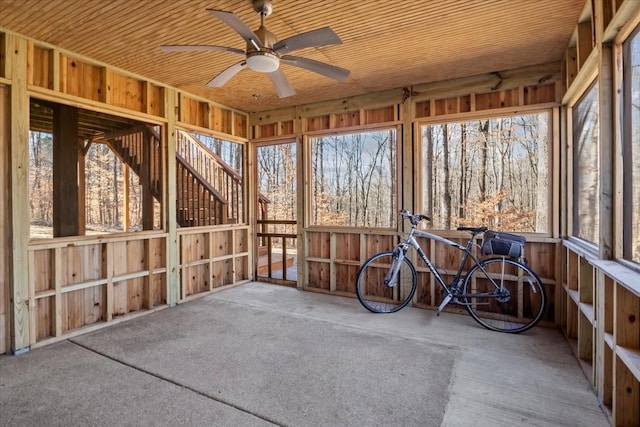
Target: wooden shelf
<point>587,310</point>
<point>631,358</point>
<point>608,339</point>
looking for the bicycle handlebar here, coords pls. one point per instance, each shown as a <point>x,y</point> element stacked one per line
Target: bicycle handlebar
<point>414,219</point>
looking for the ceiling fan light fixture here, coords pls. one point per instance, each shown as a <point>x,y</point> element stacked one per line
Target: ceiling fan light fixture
<point>263,62</point>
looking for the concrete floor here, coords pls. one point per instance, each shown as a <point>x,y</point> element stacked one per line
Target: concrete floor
<point>259,355</point>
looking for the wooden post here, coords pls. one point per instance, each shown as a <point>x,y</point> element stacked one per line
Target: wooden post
<point>19,155</point>
<point>170,205</point>
<point>406,155</point>
<point>146,181</point>
<point>65,172</point>
<point>300,201</point>
<point>5,218</point>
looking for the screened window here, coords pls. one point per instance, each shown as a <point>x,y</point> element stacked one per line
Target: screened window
<point>491,172</point>
<point>354,179</point>
<point>116,182</point>
<point>586,167</point>
<point>631,147</point>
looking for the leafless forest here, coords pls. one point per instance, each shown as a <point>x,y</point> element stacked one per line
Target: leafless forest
<point>106,183</point>
<point>354,179</point>
<point>492,172</point>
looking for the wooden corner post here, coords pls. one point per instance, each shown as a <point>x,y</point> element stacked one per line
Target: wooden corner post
<point>19,160</point>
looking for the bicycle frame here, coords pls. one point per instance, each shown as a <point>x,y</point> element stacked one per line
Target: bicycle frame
<point>451,290</point>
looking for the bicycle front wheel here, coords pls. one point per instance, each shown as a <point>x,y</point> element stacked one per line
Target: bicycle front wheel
<point>378,297</point>
<point>504,295</point>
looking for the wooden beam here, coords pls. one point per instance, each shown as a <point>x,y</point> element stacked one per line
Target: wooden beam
<point>19,189</point>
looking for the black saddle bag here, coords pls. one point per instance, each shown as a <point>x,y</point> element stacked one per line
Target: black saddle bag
<point>503,244</point>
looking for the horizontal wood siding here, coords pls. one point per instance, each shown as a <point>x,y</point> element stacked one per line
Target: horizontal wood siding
<point>212,257</point>
<point>74,283</point>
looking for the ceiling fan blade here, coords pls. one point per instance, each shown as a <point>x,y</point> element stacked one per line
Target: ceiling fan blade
<point>323,68</point>
<point>240,27</point>
<point>315,38</point>
<point>223,77</point>
<point>199,48</point>
<point>281,83</point>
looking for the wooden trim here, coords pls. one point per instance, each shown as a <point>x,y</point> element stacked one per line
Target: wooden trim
<point>585,77</point>
<point>210,132</point>
<point>496,112</point>
<point>624,22</point>
<point>606,137</point>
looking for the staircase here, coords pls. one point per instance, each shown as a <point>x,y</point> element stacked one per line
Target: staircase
<point>208,190</point>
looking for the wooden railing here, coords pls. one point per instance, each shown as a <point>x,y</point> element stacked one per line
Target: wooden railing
<point>276,234</point>
<point>198,203</point>
<point>140,150</point>
<point>213,170</point>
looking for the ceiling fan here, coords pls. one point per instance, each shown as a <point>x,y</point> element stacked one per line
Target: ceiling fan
<point>265,53</point>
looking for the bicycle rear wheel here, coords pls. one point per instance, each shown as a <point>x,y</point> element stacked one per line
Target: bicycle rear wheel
<point>378,297</point>
<point>513,301</point>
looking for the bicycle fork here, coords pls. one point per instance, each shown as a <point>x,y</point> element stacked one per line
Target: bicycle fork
<point>392,276</point>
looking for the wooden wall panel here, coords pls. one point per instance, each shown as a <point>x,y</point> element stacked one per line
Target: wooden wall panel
<point>196,279</point>
<point>319,273</point>
<point>346,119</point>
<point>423,295</point>
<point>539,94</point>
<point>41,67</point>
<point>155,100</point>
<point>318,123</point>
<point>220,120</point>
<point>81,79</point>
<point>346,278</point>
<point>378,243</point>
<point>241,241</point>
<point>126,92</point>
<point>265,131</point>
<point>241,271</point>
<point>45,313</point>
<point>318,244</point>
<point>240,125</point>
<point>347,247</point>
<point>287,127</point>
<point>222,243</point>
<point>423,109</point>
<point>380,115</point>
<point>222,273</point>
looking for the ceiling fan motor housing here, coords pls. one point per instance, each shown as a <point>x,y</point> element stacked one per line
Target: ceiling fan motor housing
<point>264,60</point>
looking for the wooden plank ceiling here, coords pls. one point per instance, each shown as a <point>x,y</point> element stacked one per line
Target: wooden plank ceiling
<point>386,44</point>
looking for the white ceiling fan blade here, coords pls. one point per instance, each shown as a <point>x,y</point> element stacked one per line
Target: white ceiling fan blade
<point>240,27</point>
<point>281,83</point>
<point>223,77</point>
<point>199,48</point>
<point>315,38</point>
<point>323,68</point>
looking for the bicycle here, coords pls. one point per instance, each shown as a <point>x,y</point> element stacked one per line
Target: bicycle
<point>501,293</point>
